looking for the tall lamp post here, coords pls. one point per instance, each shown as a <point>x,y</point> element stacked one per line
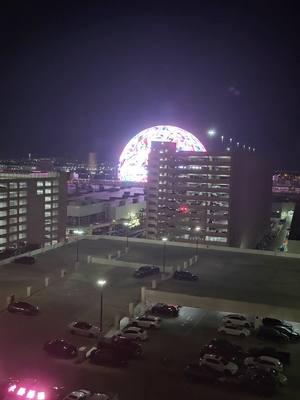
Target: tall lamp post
<point>78,232</point>
<point>164,239</point>
<point>101,283</point>
<point>127,227</point>
<point>197,230</point>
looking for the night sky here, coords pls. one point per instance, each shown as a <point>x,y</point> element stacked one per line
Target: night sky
<point>87,76</point>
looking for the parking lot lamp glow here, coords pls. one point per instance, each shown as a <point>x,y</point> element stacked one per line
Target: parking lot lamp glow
<point>164,239</point>
<point>101,283</point>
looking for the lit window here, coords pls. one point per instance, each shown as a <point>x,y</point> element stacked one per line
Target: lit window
<point>39,191</point>
<point>22,210</point>
<point>13,211</point>
<point>3,231</point>
<point>47,198</point>
<point>22,227</point>
<point>48,183</point>
<point>22,235</point>
<point>22,202</point>
<point>13,237</point>
<point>47,191</point>
<point>55,212</point>
<point>13,194</point>
<point>3,222</point>
<point>2,240</point>
<point>13,185</point>
<point>55,183</point>
<point>13,229</point>
<point>55,190</point>
<point>47,214</point>
<point>23,218</point>
<point>22,193</point>
<point>47,206</point>
<point>22,185</point>
<point>3,213</point>
<point>40,183</point>
<point>3,195</point>
<point>13,203</point>
<point>3,204</point>
<point>55,205</point>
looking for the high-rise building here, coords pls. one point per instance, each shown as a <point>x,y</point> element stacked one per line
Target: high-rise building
<point>92,162</point>
<point>33,208</point>
<point>222,199</point>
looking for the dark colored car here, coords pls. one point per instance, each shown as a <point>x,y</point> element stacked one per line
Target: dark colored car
<point>166,310</point>
<point>282,356</point>
<point>60,348</point>
<point>272,322</point>
<point>123,345</point>
<point>146,270</point>
<point>272,334</point>
<point>185,276</point>
<point>292,335</point>
<point>25,260</point>
<point>224,349</point>
<point>22,307</point>
<point>196,373</point>
<point>108,356</point>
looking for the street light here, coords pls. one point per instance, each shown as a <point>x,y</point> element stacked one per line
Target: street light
<point>127,225</point>
<point>197,229</point>
<point>211,132</point>
<point>78,232</point>
<point>101,283</point>
<point>164,239</point>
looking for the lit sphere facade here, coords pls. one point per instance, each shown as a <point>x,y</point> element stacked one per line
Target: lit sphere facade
<point>133,161</point>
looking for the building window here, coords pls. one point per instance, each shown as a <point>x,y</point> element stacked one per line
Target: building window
<point>13,220</point>
<point>47,191</point>
<point>39,191</point>
<point>3,185</point>
<point>48,228</point>
<point>22,235</point>
<point>22,210</point>
<point>23,218</point>
<point>55,183</point>
<point>13,194</point>
<point>55,212</point>
<point>3,222</point>
<point>12,211</point>
<point>3,231</point>
<point>13,185</point>
<point>3,204</point>
<point>23,185</point>
<point>47,206</point>
<point>48,183</point>
<point>3,195</point>
<point>2,240</point>
<point>13,229</point>
<point>54,241</point>
<point>3,213</point>
<point>54,227</point>
<point>13,203</point>
<point>13,237</point>
<point>22,202</point>
<point>55,190</point>
<point>40,183</point>
<point>55,198</point>
<point>22,227</point>
<point>48,198</point>
<point>47,214</point>
<point>22,193</point>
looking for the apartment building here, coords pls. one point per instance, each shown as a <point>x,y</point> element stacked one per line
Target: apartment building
<point>222,199</point>
<point>33,209</point>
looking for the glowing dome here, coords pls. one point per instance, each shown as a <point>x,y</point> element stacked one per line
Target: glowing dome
<point>134,158</point>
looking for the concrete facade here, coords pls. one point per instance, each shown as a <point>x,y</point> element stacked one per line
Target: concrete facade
<point>222,199</point>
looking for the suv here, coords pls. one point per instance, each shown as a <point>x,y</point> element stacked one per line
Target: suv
<point>272,322</point>
<point>219,364</point>
<point>185,276</point>
<point>272,334</point>
<point>24,260</point>
<point>146,270</point>
<point>165,310</point>
<point>123,345</point>
<point>106,356</point>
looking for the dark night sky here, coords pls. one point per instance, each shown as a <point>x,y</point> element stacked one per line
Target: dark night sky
<point>87,76</point>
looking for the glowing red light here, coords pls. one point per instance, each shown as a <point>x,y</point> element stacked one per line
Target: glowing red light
<point>41,396</point>
<point>12,388</point>
<point>30,394</point>
<point>183,209</point>
<point>21,391</point>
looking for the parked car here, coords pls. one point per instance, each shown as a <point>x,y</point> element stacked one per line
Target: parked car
<point>218,363</point>
<point>264,362</point>
<point>282,356</point>
<point>60,348</point>
<point>84,329</point>
<point>271,322</point>
<point>236,319</point>
<point>134,333</point>
<point>165,310</point>
<point>146,321</point>
<point>272,334</point>
<point>122,344</point>
<point>83,394</point>
<point>24,260</point>
<point>235,330</point>
<point>185,276</point>
<point>23,308</point>
<point>106,356</point>
<point>225,349</point>
<point>146,270</point>
<point>292,335</point>
<point>201,373</point>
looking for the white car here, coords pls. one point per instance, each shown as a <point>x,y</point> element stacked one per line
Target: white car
<point>235,330</point>
<point>146,321</point>
<point>84,329</point>
<point>265,362</point>
<point>134,333</point>
<point>236,319</point>
<point>83,394</point>
<point>218,363</point>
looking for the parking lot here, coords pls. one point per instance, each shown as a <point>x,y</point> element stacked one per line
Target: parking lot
<point>179,340</point>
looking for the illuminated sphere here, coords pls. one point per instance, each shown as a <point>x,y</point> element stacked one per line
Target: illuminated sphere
<point>134,158</point>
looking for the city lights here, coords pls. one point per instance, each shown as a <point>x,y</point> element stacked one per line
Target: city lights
<point>134,158</point>
<point>211,132</point>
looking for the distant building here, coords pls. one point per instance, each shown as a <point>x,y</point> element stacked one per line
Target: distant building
<point>286,186</point>
<point>92,162</point>
<point>33,209</point>
<point>221,199</point>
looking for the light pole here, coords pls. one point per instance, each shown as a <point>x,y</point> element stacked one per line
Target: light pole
<point>101,283</point>
<point>127,225</point>
<point>197,229</point>
<point>164,239</point>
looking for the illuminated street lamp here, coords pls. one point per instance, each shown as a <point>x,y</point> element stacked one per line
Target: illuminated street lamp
<point>164,239</point>
<point>101,283</point>
<point>197,229</point>
<point>78,232</point>
<point>127,227</point>
<point>211,132</point>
